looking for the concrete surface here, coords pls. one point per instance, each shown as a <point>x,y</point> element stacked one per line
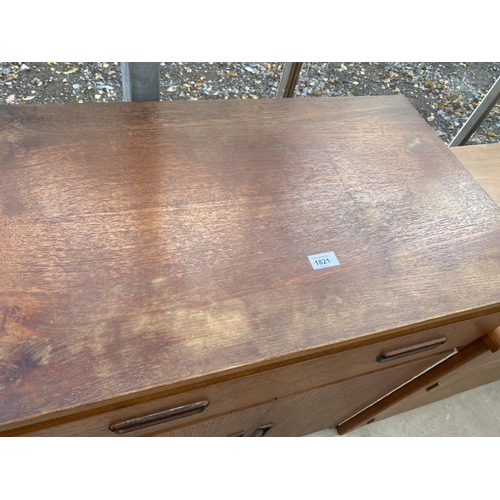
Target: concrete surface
<point>472,413</point>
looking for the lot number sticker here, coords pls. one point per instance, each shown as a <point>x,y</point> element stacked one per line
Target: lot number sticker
<point>321,260</point>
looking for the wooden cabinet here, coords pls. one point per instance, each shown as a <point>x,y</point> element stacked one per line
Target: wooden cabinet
<point>199,268</point>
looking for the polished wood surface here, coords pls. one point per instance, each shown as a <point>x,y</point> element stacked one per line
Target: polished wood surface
<point>483,162</point>
<point>150,245</point>
<point>428,380</point>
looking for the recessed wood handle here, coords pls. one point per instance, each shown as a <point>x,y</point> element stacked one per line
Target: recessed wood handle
<point>158,418</point>
<point>409,351</point>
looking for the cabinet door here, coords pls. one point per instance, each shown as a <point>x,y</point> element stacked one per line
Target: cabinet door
<point>483,370</point>
<point>330,405</point>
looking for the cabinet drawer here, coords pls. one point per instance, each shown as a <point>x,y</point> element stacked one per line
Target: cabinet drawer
<point>305,412</point>
<point>279,381</point>
<point>482,370</point>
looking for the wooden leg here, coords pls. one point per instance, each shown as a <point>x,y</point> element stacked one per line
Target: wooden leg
<point>490,342</point>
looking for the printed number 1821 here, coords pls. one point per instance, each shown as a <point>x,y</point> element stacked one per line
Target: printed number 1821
<point>322,262</point>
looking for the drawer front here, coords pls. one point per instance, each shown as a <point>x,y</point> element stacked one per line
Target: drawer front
<point>281,381</point>
<point>482,370</point>
<point>242,423</point>
<point>328,406</point>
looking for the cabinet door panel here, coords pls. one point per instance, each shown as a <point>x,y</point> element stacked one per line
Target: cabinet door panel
<point>481,371</point>
<point>330,405</point>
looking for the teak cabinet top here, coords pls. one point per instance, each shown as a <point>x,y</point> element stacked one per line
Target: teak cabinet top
<point>144,245</point>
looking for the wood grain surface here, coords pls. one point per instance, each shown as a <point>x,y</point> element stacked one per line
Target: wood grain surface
<point>483,162</point>
<point>148,245</point>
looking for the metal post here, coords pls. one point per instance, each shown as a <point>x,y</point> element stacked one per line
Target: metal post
<point>478,115</point>
<point>141,81</point>
<point>289,80</point>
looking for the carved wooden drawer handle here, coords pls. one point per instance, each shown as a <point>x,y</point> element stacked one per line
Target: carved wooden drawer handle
<point>408,351</point>
<point>158,418</point>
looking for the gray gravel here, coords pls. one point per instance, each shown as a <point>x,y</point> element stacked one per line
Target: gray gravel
<point>444,93</point>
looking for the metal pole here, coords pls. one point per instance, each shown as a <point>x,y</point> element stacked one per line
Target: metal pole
<point>478,115</point>
<point>141,81</point>
<point>289,80</point>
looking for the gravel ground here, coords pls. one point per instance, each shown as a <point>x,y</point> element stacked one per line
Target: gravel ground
<point>444,93</point>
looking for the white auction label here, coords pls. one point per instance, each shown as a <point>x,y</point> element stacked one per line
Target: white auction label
<point>321,260</point>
